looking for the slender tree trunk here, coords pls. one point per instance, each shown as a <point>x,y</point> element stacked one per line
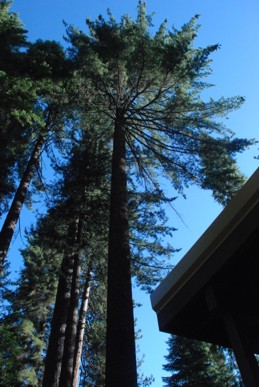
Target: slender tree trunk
<point>66,376</point>
<point>55,350</point>
<point>18,201</point>
<point>81,327</point>
<point>120,339</point>
<point>53,361</point>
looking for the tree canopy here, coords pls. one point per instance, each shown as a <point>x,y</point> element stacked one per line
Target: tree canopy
<point>117,112</point>
<point>195,363</point>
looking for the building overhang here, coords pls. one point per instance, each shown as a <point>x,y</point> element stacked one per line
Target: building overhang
<point>219,275</point>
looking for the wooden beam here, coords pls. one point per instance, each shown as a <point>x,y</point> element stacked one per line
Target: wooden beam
<point>244,355</point>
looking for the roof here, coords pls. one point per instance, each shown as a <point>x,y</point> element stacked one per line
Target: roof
<point>219,274</point>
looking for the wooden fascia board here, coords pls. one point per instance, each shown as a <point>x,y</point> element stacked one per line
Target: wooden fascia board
<point>201,252</point>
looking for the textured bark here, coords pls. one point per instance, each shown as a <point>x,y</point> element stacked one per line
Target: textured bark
<point>18,201</point>
<point>55,350</point>
<point>67,368</point>
<point>81,327</point>
<point>120,340</point>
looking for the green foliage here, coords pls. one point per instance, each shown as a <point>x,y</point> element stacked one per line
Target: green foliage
<point>93,357</point>
<point>149,88</point>
<point>16,345</point>
<point>156,81</point>
<point>46,59</point>
<point>81,192</point>
<point>226,180</point>
<point>31,95</point>
<point>153,83</point>
<point>12,39</point>
<point>10,352</point>
<point>30,306</point>
<point>150,255</point>
<point>17,95</point>
<point>195,363</point>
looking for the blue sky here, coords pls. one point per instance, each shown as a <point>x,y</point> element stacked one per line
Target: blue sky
<point>234,25</point>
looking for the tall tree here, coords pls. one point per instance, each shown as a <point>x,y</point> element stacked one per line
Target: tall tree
<point>29,304</point>
<point>149,87</point>
<point>92,362</point>
<point>17,96</point>
<point>81,326</point>
<point>46,120</point>
<point>195,363</point>
<point>83,200</point>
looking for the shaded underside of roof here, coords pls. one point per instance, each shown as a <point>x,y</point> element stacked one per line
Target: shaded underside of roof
<point>218,279</point>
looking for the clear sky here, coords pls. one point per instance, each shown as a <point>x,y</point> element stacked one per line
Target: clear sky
<point>234,25</point>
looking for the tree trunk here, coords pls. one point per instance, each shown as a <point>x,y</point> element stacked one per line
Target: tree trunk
<point>120,339</point>
<point>81,327</point>
<point>66,376</point>
<point>55,350</point>
<point>18,201</point>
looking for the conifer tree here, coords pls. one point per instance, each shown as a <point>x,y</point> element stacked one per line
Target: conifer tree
<point>139,94</point>
<point>83,202</point>
<point>149,87</point>
<point>45,120</point>
<point>81,326</point>
<point>195,363</point>
<point>17,95</point>
<point>30,305</point>
<point>30,80</point>
<point>50,240</point>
